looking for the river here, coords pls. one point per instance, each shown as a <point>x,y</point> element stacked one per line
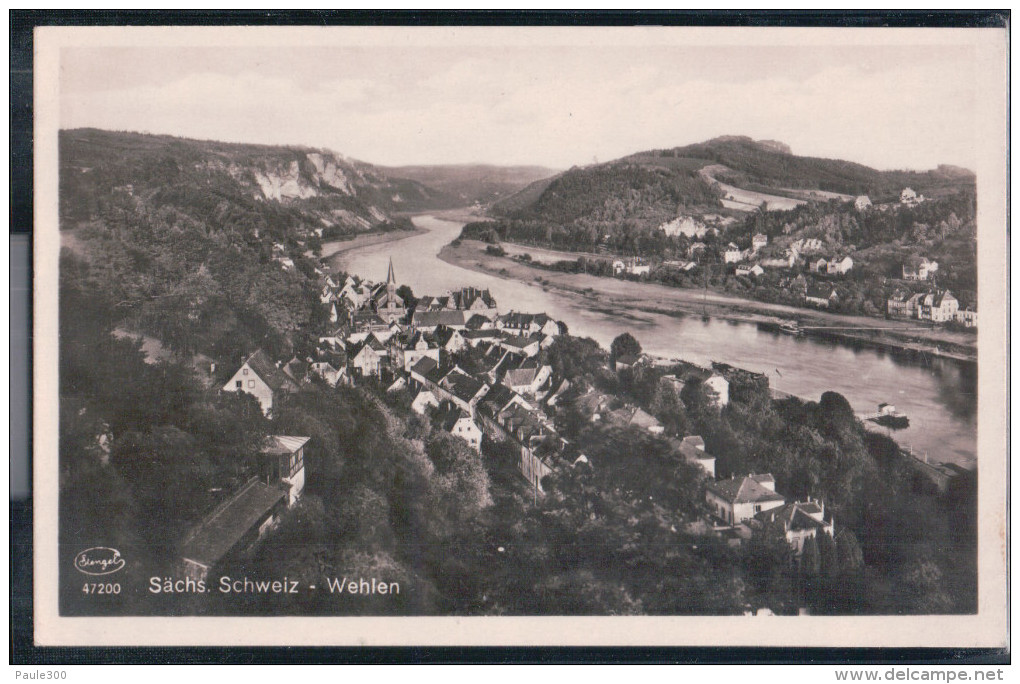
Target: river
<point>939,395</point>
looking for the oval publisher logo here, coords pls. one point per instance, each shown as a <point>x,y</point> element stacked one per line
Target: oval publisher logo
<point>99,560</point>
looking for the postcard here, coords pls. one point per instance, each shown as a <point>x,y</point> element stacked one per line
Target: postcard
<point>463,335</point>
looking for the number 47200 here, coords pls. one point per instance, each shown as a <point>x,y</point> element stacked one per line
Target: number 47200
<point>108,588</point>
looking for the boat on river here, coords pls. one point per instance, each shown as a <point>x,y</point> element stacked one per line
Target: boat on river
<point>889,417</point>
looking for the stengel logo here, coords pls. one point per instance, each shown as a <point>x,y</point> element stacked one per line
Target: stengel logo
<point>99,560</point>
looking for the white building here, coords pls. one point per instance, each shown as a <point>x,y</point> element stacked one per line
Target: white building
<point>739,499</point>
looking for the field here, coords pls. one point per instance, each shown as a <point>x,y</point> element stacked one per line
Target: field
<point>746,200</point>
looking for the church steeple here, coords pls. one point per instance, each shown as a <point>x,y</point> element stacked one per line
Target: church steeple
<point>390,279</point>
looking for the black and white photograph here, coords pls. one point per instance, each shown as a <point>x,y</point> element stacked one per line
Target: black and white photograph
<point>521,322</point>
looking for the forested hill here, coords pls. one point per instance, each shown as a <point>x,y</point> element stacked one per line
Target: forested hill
<point>471,183</point>
<point>657,185</point>
<point>206,245</point>
<point>317,187</point>
<point>772,164</point>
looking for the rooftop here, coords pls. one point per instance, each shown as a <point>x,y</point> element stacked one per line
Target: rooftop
<point>283,444</point>
<point>745,489</point>
<point>215,536</point>
<point>268,371</point>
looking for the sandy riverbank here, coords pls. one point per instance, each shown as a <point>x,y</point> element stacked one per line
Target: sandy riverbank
<point>330,250</point>
<point>622,296</point>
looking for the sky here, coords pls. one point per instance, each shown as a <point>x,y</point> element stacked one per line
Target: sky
<point>540,103</point>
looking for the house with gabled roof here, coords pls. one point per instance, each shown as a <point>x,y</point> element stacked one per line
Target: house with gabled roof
<point>476,300</point>
<point>692,448</point>
<point>967,317</point>
<point>715,382</point>
<point>527,377</point>
<point>261,378</point>
<point>328,372</point>
<point>938,307</point>
<point>800,521</point>
<point>455,420</point>
<point>821,295</point>
<point>519,344</point>
<point>462,389</point>
<point>422,370</point>
<point>840,266</point>
<point>902,303</point>
<point>368,321</point>
<point>732,254</point>
<point>422,400</point>
<point>637,417</point>
<point>366,358</point>
<point>477,337</point>
<point>296,370</point>
<point>240,521</point>
<point>428,321</point>
<point>919,269</point>
<point>479,322</point>
<point>526,324</point>
<point>741,498</point>
<point>449,339</point>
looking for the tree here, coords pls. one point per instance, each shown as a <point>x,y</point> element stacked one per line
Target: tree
<point>828,557</point>
<point>667,407</point>
<point>623,345</point>
<point>848,552</point>
<point>835,416</point>
<point>407,294</point>
<point>810,562</point>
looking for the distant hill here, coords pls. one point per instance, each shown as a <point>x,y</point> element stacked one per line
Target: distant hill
<point>470,183</point>
<point>730,174</point>
<point>771,163</point>
<point>320,187</point>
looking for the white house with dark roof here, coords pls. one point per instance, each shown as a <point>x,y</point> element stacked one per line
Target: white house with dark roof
<point>741,498</point>
<point>800,520</point>
<point>423,400</point>
<point>733,254</point>
<point>692,448</point>
<point>261,378</point>
<point>458,422</point>
<point>840,266</point>
<point>938,307</point>
<point>821,295</point>
<point>519,344</point>
<point>325,370</point>
<point>920,269</point>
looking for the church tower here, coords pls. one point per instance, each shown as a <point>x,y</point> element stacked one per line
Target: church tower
<point>388,303</point>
